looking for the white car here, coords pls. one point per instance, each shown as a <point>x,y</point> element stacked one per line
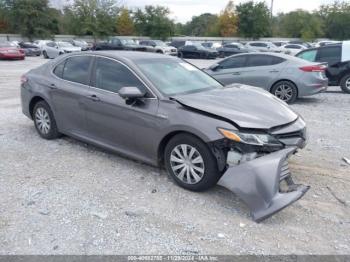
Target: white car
<point>261,46</point>
<point>159,46</point>
<point>54,49</point>
<point>292,49</point>
<point>41,43</point>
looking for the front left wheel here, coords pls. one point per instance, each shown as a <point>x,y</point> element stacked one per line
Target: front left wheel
<point>190,163</point>
<point>44,121</point>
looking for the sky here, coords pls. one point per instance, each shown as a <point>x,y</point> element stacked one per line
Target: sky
<point>183,10</point>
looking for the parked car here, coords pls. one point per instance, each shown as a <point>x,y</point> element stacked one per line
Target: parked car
<point>214,45</point>
<point>280,43</point>
<point>284,76</point>
<point>41,43</point>
<point>80,43</point>
<point>30,49</point>
<point>159,46</point>
<point>262,46</point>
<point>180,43</point>
<point>327,42</point>
<point>299,42</point>
<point>163,111</point>
<point>337,57</point>
<point>116,43</point>
<point>292,49</point>
<point>55,49</point>
<point>232,49</point>
<point>8,51</point>
<point>197,51</point>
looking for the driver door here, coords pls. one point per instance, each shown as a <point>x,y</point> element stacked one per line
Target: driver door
<point>112,122</point>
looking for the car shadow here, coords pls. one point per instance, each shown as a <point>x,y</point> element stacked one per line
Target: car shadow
<point>307,100</point>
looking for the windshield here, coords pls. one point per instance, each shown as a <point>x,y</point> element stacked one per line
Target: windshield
<point>128,42</point>
<point>64,44</point>
<point>159,43</point>
<point>174,76</point>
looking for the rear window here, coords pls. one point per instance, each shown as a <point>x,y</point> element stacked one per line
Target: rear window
<point>58,71</point>
<point>76,69</point>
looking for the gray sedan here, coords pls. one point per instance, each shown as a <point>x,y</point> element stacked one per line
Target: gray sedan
<point>164,111</point>
<point>284,76</point>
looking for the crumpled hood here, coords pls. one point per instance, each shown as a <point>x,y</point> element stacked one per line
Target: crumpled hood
<point>248,107</point>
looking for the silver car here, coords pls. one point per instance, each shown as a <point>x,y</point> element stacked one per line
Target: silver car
<point>55,49</point>
<point>163,111</point>
<point>284,76</point>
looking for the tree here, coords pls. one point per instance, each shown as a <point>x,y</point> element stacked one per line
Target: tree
<point>92,17</point>
<point>125,24</point>
<point>153,21</point>
<point>227,22</point>
<point>336,20</point>
<point>31,18</point>
<point>202,25</point>
<point>253,19</point>
<point>4,26</point>
<point>300,24</point>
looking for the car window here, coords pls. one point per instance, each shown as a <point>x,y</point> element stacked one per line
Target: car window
<point>261,60</point>
<point>51,44</point>
<point>111,76</point>
<point>233,62</point>
<point>309,55</point>
<point>293,46</point>
<point>76,69</point>
<point>329,52</point>
<point>58,71</point>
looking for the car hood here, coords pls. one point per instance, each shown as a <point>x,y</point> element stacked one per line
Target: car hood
<point>246,106</point>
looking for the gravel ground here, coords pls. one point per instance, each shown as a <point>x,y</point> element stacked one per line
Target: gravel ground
<point>67,197</point>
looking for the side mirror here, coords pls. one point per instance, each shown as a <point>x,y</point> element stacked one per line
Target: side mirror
<point>215,67</point>
<point>131,92</point>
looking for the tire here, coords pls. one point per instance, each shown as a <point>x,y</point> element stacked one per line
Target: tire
<point>180,55</point>
<point>45,55</point>
<point>345,84</point>
<point>159,52</point>
<point>42,114</point>
<point>221,54</point>
<point>286,91</point>
<point>205,167</point>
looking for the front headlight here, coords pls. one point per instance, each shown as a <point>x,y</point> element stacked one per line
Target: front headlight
<point>249,138</point>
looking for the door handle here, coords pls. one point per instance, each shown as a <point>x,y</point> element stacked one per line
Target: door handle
<point>274,71</point>
<point>236,73</point>
<point>53,86</point>
<point>94,98</point>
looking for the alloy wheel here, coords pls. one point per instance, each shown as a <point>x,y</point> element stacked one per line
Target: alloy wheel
<point>42,120</point>
<point>187,164</point>
<point>347,83</point>
<point>284,92</point>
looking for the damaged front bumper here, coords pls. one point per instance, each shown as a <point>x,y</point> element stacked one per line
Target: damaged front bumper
<point>258,183</point>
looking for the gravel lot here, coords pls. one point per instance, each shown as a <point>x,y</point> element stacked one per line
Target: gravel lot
<point>67,197</point>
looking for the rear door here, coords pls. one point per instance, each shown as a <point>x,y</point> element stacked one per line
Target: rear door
<point>231,70</point>
<point>110,120</point>
<point>69,91</point>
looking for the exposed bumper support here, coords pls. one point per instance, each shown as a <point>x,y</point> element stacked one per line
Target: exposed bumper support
<point>257,183</point>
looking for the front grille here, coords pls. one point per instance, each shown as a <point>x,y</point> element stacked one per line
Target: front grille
<point>285,172</point>
<point>296,134</point>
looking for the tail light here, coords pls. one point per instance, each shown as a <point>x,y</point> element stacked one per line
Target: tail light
<point>313,68</point>
<point>24,79</point>
<point>21,51</point>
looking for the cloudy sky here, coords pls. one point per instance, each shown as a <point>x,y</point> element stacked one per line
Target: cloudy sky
<point>183,10</point>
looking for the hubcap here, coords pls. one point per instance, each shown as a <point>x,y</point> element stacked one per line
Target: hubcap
<point>284,92</point>
<point>347,83</point>
<point>187,164</point>
<point>42,120</point>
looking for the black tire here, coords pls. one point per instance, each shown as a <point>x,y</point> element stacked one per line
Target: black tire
<point>211,173</point>
<point>180,55</point>
<point>52,131</point>
<point>159,52</point>
<point>345,84</point>
<point>291,96</point>
<point>221,54</point>
<point>45,55</point>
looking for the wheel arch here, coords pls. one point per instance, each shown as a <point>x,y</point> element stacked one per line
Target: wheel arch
<point>33,102</point>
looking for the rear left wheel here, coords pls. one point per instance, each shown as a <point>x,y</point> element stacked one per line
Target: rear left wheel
<point>345,84</point>
<point>44,121</point>
<point>191,163</point>
<point>286,91</point>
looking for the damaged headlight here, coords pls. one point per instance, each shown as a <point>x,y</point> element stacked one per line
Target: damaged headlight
<point>256,139</point>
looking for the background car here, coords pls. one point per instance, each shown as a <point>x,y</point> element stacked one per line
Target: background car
<point>280,43</point>
<point>54,49</point>
<point>232,49</point>
<point>262,46</point>
<point>214,45</point>
<point>41,43</point>
<point>30,49</point>
<point>159,46</point>
<point>337,57</point>
<point>180,43</point>
<point>80,43</point>
<point>292,49</point>
<point>285,76</point>
<point>8,51</point>
<point>197,51</point>
<point>116,43</point>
